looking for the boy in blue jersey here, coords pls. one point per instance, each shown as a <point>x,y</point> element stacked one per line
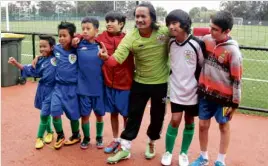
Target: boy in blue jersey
<point>90,81</point>
<point>45,69</point>
<point>64,97</point>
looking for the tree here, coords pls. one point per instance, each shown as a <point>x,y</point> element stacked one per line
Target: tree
<point>13,11</point>
<point>161,12</point>
<point>194,12</point>
<point>46,8</point>
<point>3,12</point>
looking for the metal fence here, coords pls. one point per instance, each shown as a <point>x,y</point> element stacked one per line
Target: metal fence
<point>255,69</point>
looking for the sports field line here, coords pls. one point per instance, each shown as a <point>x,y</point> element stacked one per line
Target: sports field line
<point>256,60</point>
<point>256,80</point>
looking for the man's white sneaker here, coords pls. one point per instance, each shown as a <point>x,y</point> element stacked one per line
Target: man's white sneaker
<point>166,159</point>
<point>183,160</point>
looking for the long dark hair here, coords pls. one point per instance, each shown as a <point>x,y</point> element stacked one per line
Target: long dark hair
<point>151,11</point>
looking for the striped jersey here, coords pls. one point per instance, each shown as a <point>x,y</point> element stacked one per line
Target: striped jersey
<point>220,78</point>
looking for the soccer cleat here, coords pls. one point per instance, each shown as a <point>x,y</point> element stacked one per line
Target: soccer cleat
<point>120,155</point>
<point>84,144</point>
<point>48,138</point>
<point>99,142</point>
<point>183,160</point>
<point>150,151</point>
<point>75,138</point>
<point>218,163</point>
<point>200,162</point>
<point>39,143</point>
<point>59,142</point>
<point>112,147</point>
<point>166,159</point>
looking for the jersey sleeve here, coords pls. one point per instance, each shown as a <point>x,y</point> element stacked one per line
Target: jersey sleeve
<point>236,74</point>
<point>29,71</point>
<point>123,49</point>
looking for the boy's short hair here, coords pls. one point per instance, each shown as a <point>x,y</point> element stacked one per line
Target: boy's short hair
<point>69,26</point>
<point>91,20</point>
<point>50,39</point>
<point>223,19</point>
<point>113,15</point>
<point>182,17</point>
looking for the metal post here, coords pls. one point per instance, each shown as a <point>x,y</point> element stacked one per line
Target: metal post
<point>33,45</point>
<point>7,17</point>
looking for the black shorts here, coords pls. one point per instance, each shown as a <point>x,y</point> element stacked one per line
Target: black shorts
<point>191,110</point>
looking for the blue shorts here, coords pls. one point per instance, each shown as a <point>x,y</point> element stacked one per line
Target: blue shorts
<point>208,109</point>
<point>89,103</point>
<point>64,99</point>
<point>117,101</point>
<point>42,99</point>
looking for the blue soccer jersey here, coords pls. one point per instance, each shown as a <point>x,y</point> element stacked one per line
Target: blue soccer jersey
<point>66,72</point>
<point>45,69</point>
<point>90,78</point>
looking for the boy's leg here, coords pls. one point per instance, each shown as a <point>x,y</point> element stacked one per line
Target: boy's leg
<point>206,111</point>
<point>41,130</point>
<point>171,134</point>
<point>115,124</point>
<point>224,126</point>
<point>86,131</point>
<point>72,111</point>
<point>188,132</point>
<point>57,122</point>
<point>99,131</point>
<point>49,126</point>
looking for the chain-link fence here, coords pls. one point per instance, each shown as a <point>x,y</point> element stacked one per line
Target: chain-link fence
<point>248,33</point>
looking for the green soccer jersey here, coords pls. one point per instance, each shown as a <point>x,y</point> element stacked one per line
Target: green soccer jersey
<point>151,55</point>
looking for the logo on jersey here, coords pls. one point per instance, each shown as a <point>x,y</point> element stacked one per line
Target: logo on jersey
<point>57,55</point>
<point>188,55</point>
<point>161,39</point>
<point>53,61</point>
<point>84,48</point>
<point>222,56</point>
<point>72,58</point>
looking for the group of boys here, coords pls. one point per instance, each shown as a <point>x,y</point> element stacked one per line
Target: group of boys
<point>75,80</point>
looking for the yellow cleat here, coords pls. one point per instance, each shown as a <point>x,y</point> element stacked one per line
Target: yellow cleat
<point>39,143</point>
<point>48,138</point>
<point>73,140</point>
<point>59,143</point>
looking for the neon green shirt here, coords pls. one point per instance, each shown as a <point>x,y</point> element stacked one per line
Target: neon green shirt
<point>151,55</point>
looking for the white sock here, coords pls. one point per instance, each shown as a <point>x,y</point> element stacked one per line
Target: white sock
<point>204,154</point>
<point>221,158</point>
<point>125,144</point>
<point>116,139</point>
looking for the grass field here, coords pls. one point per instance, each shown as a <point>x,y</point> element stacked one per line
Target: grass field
<point>255,63</point>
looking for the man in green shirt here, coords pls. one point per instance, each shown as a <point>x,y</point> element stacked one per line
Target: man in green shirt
<point>148,43</point>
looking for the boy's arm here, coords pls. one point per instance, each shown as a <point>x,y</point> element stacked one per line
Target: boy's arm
<point>120,54</point>
<point>15,63</point>
<point>236,75</point>
<point>26,70</point>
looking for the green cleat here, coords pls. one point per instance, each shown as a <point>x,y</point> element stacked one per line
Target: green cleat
<point>120,155</point>
<point>150,151</point>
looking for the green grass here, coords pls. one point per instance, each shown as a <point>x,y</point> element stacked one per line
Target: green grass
<point>253,113</point>
<point>254,92</point>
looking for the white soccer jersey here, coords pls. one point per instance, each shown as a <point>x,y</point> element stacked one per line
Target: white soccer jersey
<point>184,60</point>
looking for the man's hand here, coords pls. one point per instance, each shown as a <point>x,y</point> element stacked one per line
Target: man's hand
<point>12,61</point>
<point>103,53</point>
<point>230,112</point>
